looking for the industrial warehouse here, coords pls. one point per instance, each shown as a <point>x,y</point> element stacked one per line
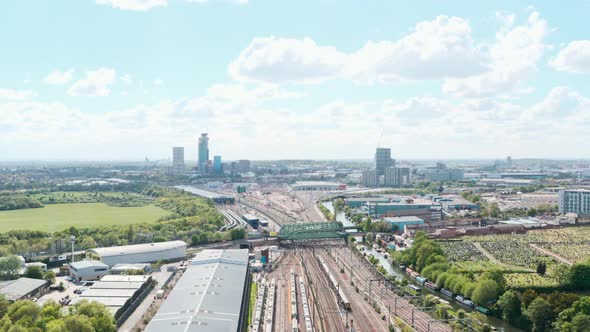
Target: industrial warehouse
<point>139,253</point>
<point>215,197</point>
<point>88,270</point>
<point>210,296</point>
<point>118,293</point>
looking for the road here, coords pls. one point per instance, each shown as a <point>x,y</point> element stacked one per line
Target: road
<point>131,322</point>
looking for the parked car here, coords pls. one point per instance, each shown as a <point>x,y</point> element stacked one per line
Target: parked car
<point>80,290</point>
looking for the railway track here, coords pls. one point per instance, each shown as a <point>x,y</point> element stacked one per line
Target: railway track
<point>365,318</point>
<point>330,313</point>
<point>389,301</point>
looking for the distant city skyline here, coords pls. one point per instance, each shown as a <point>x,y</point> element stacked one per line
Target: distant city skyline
<point>430,80</point>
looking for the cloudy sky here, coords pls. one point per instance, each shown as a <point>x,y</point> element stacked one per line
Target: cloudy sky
<point>270,79</point>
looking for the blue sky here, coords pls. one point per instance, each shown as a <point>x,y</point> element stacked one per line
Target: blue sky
<point>126,79</point>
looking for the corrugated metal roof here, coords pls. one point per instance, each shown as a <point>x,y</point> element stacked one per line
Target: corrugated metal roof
<point>202,192</point>
<point>123,278</point>
<point>16,289</point>
<point>208,296</point>
<point>403,219</point>
<point>117,285</point>
<point>88,263</point>
<point>138,248</point>
<point>125,267</point>
<point>101,292</point>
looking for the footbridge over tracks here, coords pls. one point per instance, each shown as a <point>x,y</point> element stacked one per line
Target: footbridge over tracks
<point>314,231</point>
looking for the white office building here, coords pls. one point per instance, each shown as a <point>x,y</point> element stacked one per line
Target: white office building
<point>397,176</point>
<point>88,270</point>
<point>178,167</point>
<point>370,178</point>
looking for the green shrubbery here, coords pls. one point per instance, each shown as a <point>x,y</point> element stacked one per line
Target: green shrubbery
<point>25,315</point>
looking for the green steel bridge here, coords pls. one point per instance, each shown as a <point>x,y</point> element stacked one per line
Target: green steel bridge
<point>314,231</point>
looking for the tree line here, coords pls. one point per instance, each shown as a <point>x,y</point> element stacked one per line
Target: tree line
<point>190,217</point>
<point>28,316</point>
<point>552,311</point>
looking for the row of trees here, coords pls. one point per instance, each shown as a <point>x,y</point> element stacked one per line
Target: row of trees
<point>556,311</point>
<point>427,257</point>
<point>327,214</point>
<point>559,311</point>
<point>18,202</point>
<point>28,316</point>
<point>189,215</point>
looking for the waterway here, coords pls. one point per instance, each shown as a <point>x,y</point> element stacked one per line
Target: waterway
<point>340,216</point>
<point>392,269</point>
<point>396,271</point>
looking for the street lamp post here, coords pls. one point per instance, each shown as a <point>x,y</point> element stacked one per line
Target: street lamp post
<point>72,241</point>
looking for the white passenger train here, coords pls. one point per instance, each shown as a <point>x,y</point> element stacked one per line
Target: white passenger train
<point>270,307</point>
<point>342,297</point>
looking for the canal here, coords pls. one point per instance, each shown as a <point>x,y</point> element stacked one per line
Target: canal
<point>392,269</point>
<point>340,216</point>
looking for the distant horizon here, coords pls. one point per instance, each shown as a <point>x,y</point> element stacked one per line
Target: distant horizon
<point>364,160</point>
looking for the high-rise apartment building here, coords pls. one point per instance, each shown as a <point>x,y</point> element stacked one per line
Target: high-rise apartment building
<point>574,201</point>
<point>397,176</point>
<point>203,157</point>
<point>383,160</point>
<point>178,167</point>
<point>243,166</point>
<point>217,166</point>
<point>370,178</point>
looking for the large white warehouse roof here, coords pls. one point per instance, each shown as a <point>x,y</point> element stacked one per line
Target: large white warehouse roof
<point>138,248</point>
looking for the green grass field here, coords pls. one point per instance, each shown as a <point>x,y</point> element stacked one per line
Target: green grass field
<point>57,217</point>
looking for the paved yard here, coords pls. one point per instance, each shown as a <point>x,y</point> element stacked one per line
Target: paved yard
<point>57,295</point>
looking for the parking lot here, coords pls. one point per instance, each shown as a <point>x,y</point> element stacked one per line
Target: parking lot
<point>56,295</point>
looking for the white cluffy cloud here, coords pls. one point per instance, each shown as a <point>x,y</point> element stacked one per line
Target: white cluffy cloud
<point>514,58</point>
<point>140,5</point>
<point>574,58</point>
<point>95,84</point>
<point>241,2</point>
<point>127,79</point>
<point>13,94</point>
<point>442,48</point>
<point>554,126</point>
<point>57,77</point>
<point>284,60</point>
<point>439,48</point>
<point>436,49</point>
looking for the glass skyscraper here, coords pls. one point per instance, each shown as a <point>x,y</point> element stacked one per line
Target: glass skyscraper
<point>203,157</point>
<point>217,167</point>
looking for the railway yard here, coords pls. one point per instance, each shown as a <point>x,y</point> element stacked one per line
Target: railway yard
<point>327,287</point>
<point>320,285</point>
